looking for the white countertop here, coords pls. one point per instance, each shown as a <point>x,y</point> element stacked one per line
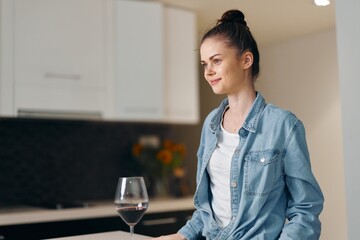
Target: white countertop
<point>116,235</point>
<point>100,209</point>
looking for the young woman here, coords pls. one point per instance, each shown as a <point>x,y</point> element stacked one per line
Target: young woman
<point>254,179</point>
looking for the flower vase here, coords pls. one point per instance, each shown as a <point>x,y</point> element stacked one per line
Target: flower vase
<point>162,183</point>
<point>161,188</point>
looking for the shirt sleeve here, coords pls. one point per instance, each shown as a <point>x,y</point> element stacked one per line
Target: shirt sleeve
<point>192,229</point>
<point>305,199</point>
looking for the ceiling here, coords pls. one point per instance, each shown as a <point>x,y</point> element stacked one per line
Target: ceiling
<point>270,21</point>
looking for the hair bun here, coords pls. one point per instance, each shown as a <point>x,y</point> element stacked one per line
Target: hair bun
<point>233,16</point>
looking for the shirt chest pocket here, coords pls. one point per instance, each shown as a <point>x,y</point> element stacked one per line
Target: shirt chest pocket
<point>261,170</point>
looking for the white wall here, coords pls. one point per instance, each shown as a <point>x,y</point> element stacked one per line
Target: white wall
<point>348,39</point>
<point>302,75</point>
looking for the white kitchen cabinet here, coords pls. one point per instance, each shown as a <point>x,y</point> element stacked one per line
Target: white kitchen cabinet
<point>181,75</point>
<point>155,63</point>
<point>59,57</point>
<point>138,60</point>
<point>115,59</point>
<point>6,73</point>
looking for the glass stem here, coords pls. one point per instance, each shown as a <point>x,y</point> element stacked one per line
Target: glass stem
<point>131,232</point>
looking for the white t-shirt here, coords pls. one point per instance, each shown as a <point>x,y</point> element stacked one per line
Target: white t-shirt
<point>219,171</point>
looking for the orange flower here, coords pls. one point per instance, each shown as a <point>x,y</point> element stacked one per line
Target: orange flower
<point>168,144</point>
<point>180,148</point>
<point>179,172</point>
<point>137,149</point>
<point>165,156</point>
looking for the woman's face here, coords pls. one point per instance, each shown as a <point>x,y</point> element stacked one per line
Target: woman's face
<point>223,68</point>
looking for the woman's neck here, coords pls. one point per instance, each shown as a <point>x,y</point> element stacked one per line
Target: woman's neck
<point>239,107</point>
<point>241,102</point>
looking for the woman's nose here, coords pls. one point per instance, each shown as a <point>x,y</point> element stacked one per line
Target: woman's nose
<point>209,71</point>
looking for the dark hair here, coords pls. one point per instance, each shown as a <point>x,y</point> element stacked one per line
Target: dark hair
<point>233,28</point>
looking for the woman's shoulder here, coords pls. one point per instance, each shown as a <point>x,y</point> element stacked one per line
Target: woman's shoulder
<point>279,114</point>
<point>212,113</point>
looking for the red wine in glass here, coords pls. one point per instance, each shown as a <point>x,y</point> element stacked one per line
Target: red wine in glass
<point>131,200</point>
<point>131,213</point>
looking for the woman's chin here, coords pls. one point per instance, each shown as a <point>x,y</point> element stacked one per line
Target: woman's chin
<point>217,91</point>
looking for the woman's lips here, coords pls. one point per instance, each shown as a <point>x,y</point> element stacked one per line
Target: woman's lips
<point>214,81</point>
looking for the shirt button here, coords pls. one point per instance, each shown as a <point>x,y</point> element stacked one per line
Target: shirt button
<point>233,218</point>
<point>262,160</point>
<point>233,184</point>
<point>243,132</point>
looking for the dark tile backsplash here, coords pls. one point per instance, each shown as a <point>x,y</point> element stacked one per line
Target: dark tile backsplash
<point>51,161</point>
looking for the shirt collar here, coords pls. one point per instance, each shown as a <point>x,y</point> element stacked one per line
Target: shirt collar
<point>251,120</point>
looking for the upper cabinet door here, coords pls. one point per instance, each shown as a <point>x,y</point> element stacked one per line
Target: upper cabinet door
<point>139,60</point>
<point>59,55</point>
<point>59,41</point>
<point>6,59</point>
<point>181,74</point>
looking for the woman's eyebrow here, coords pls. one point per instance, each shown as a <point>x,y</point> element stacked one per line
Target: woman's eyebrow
<point>210,58</point>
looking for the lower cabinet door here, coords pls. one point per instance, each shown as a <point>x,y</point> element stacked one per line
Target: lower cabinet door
<point>153,224</point>
<point>157,224</point>
<point>46,230</point>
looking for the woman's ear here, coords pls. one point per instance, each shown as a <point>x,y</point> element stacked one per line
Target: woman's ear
<point>248,59</point>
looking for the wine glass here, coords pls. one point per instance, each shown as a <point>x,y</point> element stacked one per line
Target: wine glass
<point>131,200</point>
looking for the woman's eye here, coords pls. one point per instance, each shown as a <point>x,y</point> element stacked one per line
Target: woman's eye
<point>217,61</point>
<point>204,65</point>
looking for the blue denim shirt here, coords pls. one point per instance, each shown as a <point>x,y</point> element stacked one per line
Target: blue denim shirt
<point>271,180</point>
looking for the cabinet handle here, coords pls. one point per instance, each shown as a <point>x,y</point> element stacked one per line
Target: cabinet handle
<point>159,221</point>
<point>63,76</point>
<point>141,110</point>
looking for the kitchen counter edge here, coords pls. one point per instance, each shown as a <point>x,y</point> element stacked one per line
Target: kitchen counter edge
<point>105,209</point>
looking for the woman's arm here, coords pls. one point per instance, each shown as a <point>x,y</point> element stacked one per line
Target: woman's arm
<point>305,197</point>
<point>176,236</point>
